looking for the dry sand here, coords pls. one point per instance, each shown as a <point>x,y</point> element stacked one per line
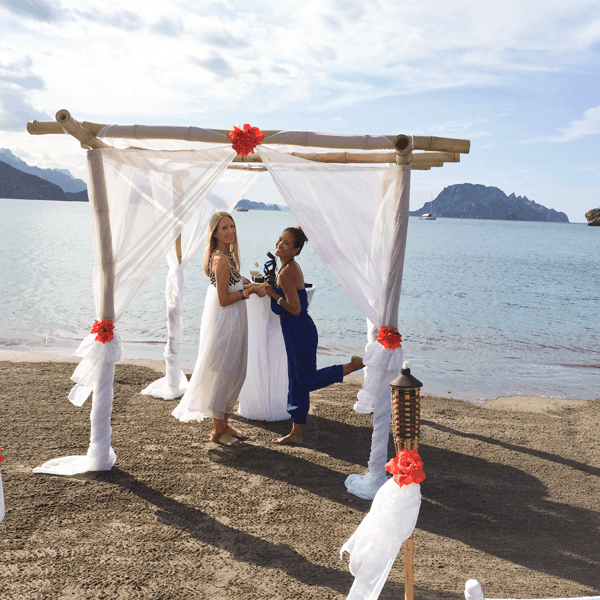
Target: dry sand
<point>511,498</point>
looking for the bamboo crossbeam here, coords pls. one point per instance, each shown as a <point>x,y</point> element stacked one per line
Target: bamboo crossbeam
<point>431,159</point>
<point>293,138</point>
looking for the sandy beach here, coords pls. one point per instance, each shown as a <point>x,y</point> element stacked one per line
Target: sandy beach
<point>511,497</point>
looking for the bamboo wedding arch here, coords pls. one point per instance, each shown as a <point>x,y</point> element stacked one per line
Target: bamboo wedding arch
<point>407,152</point>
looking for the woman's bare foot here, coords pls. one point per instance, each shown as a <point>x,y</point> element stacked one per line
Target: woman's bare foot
<point>294,437</point>
<point>355,364</point>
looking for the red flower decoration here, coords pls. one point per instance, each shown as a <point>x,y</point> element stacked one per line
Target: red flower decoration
<point>406,467</point>
<point>244,141</point>
<point>1,457</point>
<point>389,337</point>
<point>104,329</point>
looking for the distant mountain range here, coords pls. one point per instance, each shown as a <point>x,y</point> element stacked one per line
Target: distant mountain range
<point>17,184</point>
<point>60,177</point>
<point>19,180</point>
<point>473,201</point>
<point>462,201</point>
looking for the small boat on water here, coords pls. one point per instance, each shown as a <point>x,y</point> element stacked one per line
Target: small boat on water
<point>241,209</point>
<point>430,216</point>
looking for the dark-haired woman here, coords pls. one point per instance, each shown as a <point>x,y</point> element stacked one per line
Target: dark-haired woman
<point>290,302</point>
<point>220,368</point>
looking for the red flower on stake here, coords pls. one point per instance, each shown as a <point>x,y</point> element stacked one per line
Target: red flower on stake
<point>244,141</point>
<point>389,337</point>
<point>406,467</point>
<point>104,329</point>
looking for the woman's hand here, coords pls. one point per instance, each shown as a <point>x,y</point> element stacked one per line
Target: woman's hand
<point>255,288</point>
<point>269,291</point>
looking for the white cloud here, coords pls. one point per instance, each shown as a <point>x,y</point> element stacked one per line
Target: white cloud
<point>16,110</point>
<point>588,125</point>
<point>321,53</point>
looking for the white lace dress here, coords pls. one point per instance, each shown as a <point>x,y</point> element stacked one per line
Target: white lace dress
<point>220,368</point>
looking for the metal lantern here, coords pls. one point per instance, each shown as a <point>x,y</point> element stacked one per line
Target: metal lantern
<point>406,410</point>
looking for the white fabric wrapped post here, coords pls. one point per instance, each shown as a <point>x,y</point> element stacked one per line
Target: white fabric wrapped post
<point>376,542</point>
<point>136,222</point>
<point>174,383</point>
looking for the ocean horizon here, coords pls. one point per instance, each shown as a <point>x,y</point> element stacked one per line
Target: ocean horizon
<point>488,308</point>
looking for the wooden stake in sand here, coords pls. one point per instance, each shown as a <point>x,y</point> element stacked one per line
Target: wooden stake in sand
<point>406,420</point>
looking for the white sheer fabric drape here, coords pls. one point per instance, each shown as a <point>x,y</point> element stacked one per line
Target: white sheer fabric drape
<point>226,194</point>
<point>356,218</point>
<point>141,201</point>
<point>374,545</point>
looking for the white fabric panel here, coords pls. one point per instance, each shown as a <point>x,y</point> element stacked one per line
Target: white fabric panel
<point>228,191</point>
<point>356,218</point>
<point>142,202</point>
<point>341,210</point>
<point>374,545</point>
<point>145,218</point>
<point>264,395</point>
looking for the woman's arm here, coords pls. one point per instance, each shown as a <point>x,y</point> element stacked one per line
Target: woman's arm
<point>290,301</point>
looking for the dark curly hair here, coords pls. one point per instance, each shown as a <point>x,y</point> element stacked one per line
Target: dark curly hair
<point>299,237</point>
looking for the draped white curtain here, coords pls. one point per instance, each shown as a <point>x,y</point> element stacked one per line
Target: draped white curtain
<point>356,218</point>
<point>226,194</point>
<point>374,545</point>
<point>140,202</point>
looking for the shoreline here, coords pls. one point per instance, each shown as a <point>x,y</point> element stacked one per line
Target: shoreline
<point>517,403</point>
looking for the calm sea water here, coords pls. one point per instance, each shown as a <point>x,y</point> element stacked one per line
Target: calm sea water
<point>488,308</point>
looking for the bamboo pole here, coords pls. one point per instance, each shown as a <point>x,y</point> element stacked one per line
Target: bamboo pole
<point>435,159</point>
<point>70,125</point>
<point>293,138</point>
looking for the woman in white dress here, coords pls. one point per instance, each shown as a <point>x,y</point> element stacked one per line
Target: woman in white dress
<point>220,368</point>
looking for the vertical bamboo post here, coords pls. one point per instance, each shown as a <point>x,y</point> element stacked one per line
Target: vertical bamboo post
<point>178,248</point>
<point>406,416</point>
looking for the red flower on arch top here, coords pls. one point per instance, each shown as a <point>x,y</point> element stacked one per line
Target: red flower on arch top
<point>245,140</point>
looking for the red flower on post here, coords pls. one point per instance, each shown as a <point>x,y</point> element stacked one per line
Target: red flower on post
<point>244,141</point>
<point>406,467</point>
<point>389,337</point>
<point>104,329</point>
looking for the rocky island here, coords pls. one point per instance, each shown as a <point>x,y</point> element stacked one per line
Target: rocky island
<point>593,217</point>
<point>474,201</point>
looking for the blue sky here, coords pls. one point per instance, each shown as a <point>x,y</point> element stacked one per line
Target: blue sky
<point>521,80</point>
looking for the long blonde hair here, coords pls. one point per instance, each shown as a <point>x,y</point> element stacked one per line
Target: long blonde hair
<point>211,242</point>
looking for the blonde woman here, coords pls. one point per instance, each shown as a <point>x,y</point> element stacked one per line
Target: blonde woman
<point>220,368</point>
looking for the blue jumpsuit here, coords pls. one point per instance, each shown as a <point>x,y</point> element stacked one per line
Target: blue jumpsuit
<point>301,339</point>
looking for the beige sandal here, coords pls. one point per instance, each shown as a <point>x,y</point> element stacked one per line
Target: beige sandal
<point>226,440</point>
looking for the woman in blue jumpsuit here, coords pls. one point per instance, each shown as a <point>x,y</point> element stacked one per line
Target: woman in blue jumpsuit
<point>290,302</point>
